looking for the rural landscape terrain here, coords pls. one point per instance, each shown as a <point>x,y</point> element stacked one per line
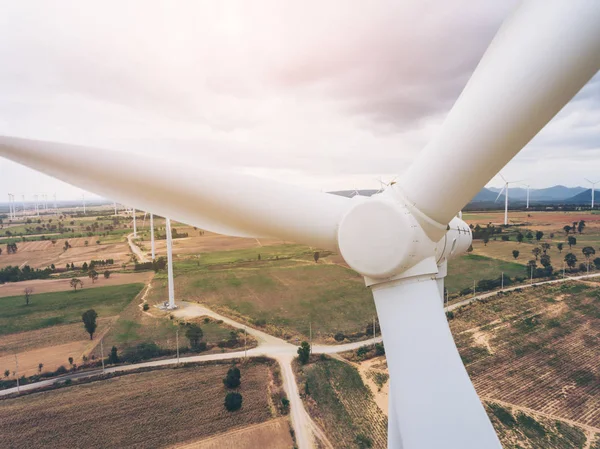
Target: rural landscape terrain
<point>276,344</point>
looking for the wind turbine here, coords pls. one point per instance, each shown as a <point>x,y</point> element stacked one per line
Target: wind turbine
<point>152,236</point>
<point>83,202</point>
<point>401,239</point>
<point>528,186</point>
<point>10,207</point>
<point>593,188</point>
<point>134,224</point>
<point>505,190</point>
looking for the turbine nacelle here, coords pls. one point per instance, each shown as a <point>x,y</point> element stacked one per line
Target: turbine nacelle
<point>384,237</point>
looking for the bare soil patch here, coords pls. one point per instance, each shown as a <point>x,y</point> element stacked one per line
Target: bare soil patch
<point>273,434</point>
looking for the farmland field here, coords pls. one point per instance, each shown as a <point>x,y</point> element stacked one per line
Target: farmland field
<point>150,409</point>
<point>537,349</point>
<point>50,309</point>
<point>341,404</point>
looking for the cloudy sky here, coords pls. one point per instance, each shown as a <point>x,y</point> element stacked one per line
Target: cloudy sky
<point>330,95</point>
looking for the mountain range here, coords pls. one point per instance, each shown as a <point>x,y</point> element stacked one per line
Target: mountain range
<point>549,195</point>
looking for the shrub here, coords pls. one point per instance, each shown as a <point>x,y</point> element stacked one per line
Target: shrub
<point>146,306</point>
<point>233,401</point>
<point>362,351</point>
<point>339,336</point>
<point>60,370</point>
<point>503,415</point>
<point>363,441</point>
<point>379,349</point>
<point>143,351</point>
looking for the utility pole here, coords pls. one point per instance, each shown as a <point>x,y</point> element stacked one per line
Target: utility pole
<point>531,281</point>
<point>17,373</point>
<point>473,288</point>
<point>177,340</point>
<point>563,269</point>
<point>502,288</point>
<point>310,335</point>
<point>245,338</point>
<point>447,300</point>
<point>102,354</point>
<point>374,332</point>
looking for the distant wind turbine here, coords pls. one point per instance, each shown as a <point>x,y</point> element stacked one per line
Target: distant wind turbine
<point>527,185</point>
<point>505,190</point>
<point>593,188</point>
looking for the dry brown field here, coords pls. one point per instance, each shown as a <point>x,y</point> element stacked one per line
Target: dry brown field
<point>42,254</point>
<point>537,349</point>
<point>273,434</point>
<point>50,346</point>
<point>59,285</point>
<point>152,409</point>
<point>552,221</point>
<point>208,242</point>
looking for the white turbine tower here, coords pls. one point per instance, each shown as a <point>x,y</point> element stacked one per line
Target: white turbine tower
<point>528,186</point>
<point>152,237</point>
<point>115,204</point>
<point>134,224</point>
<point>10,207</point>
<point>400,239</point>
<point>23,198</point>
<point>171,285</point>
<point>505,191</point>
<point>593,188</point>
<point>83,202</point>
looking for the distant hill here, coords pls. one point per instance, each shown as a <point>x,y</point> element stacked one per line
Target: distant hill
<point>548,194</point>
<point>351,193</point>
<point>488,195</point>
<point>584,197</point>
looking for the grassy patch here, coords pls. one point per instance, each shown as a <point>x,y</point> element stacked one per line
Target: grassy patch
<point>463,270</point>
<point>50,309</point>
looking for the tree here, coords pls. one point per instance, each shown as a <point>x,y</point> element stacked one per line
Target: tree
<point>40,367</point>
<point>194,335</point>
<point>588,252</point>
<point>572,241</point>
<point>84,267</point>
<point>233,401</point>
<point>76,283</point>
<point>529,235</point>
<point>567,229</point>
<point>545,247</point>
<point>113,357</point>
<point>71,361</point>
<point>571,260</point>
<point>539,235</point>
<point>304,352</point>
<point>519,237</point>
<point>486,239</point>
<point>316,256</point>
<point>6,373</point>
<point>545,261</point>
<point>515,253</point>
<point>531,266</point>
<point>89,322</point>
<point>28,291</point>
<point>0,251</point>
<point>536,252</point>
<point>106,274</point>
<point>597,263</point>
<point>580,226</point>
<point>559,246</point>
<point>233,378</point>
<point>93,275</point>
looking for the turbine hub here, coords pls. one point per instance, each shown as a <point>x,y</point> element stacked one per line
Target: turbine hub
<point>380,238</point>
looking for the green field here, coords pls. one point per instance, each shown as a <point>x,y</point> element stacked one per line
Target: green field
<point>463,270</point>
<point>339,401</point>
<point>50,309</point>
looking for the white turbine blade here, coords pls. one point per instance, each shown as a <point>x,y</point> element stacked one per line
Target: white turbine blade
<point>540,58</point>
<point>500,193</point>
<point>503,179</point>
<point>434,400</point>
<point>212,199</point>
